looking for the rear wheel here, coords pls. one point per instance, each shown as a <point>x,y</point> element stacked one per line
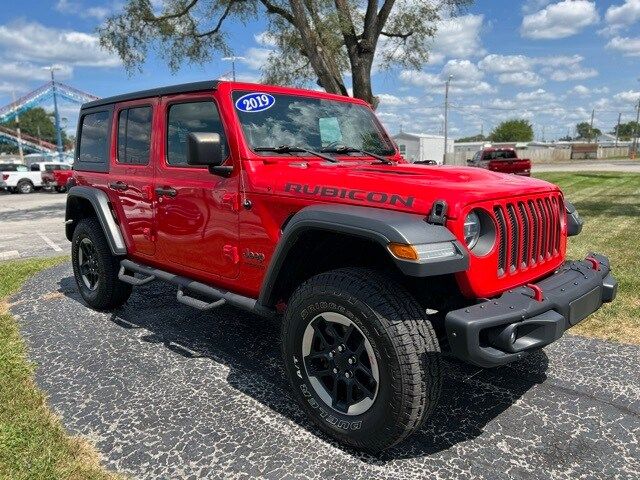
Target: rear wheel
<point>363,359</point>
<point>96,269</point>
<point>25,186</point>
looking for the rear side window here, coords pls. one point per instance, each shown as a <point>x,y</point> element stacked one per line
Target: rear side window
<point>185,118</point>
<point>35,167</point>
<point>134,135</point>
<point>93,150</point>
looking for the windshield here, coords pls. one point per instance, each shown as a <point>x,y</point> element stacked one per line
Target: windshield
<point>272,120</point>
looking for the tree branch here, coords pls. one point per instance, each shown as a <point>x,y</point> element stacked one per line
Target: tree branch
<point>383,15</point>
<point>216,29</point>
<point>273,8</point>
<point>396,35</point>
<point>171,16</point>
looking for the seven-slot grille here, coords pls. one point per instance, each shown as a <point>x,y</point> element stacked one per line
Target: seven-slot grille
<point>529,232</point>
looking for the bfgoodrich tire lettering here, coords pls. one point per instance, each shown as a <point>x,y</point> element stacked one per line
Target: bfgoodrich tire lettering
<point>107,291</point>
<point>402,339</point>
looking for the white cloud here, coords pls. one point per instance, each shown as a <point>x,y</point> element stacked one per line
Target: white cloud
<point>33,42</point>
<point>539,95</point>
<point>29,71</point>
<point>629,47</point>
<point>576,73</point>
<point>458,37</point>
<point>580,90</point>
<point>630,96</point>
<point>462,70</point>
<point>559,20</point>
<point>467,78</point>
<point>526,78</point>
<point>389,100</point>
<point>265,39</point>
<point>255,58</point>
<point>78,8</point>
<point>505,63</point>
<point>624,15</point>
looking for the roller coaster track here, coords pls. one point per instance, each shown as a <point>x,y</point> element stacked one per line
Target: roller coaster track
<point>30,100</point>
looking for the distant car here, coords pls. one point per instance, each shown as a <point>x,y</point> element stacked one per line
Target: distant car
<point>18,178</point>
<point>56,176</point>
<point>503,160</point>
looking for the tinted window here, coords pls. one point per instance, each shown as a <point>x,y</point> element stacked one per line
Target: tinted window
<point>94,134</point>
<point>312,123</point>
<point>185,118</point>
<point>134,135</point>
<point>35,167</point>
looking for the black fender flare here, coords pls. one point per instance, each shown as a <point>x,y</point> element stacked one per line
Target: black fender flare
<point>381,226</point>
<point>100,203</point>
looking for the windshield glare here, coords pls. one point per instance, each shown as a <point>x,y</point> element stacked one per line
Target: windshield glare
<point>312,123</point>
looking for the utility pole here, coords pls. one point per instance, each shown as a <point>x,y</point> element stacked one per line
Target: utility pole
<point>56,114</point>
<point>233,59</point>
<point>446,117</point>
<point>593,112</point>
<point>20,150</point>
<point>618,129</point>
<point>636,132</point>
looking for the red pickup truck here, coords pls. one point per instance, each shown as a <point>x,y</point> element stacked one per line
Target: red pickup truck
<point>297,206</point>
<point>503,160</point>
<point>56,176</point>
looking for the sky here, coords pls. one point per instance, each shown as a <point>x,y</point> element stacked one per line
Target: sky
<point>551,62</point>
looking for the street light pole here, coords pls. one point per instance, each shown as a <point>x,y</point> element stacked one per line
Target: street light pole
<point>636,132</point>
<point>618,129</point>
<point>232,59</point>
<point>56,114</point>
<point>446,117</point>
<point>20,150</point>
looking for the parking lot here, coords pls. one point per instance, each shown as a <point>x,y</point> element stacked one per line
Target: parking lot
<point>32,225</point>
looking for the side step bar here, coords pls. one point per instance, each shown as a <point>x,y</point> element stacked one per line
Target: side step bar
<point>218,297</point>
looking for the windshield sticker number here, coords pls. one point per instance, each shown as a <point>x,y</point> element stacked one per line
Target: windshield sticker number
<point>255,102</point>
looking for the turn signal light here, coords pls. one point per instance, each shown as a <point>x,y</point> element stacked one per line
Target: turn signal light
<point>405,252</point>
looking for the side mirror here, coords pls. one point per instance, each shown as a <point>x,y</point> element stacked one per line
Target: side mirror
<point>204,149</point>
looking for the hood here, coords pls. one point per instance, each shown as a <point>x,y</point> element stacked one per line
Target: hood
<point>407,187</point>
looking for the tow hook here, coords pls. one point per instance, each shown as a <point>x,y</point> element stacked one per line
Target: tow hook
<point>594,263</point>
<point>537,292</point>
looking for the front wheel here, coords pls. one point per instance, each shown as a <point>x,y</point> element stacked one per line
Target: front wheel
<point>362,357</point>
<point>95,268</point>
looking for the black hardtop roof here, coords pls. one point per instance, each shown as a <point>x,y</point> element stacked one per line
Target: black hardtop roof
<point>154,92</point>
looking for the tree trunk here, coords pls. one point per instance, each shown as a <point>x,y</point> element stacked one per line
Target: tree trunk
<point>361,78</point>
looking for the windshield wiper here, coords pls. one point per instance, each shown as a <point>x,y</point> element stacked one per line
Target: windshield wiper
<point>294,149</point>
<point>345,149</point>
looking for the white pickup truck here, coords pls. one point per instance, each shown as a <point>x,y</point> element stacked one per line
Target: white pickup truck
<point>17,178</point>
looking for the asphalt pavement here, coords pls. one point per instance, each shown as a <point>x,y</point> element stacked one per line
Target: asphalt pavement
<point>620,166</point>
<point>165,391</point>
<point>32,225</point>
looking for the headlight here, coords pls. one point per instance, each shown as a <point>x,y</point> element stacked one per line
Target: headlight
<point>471,229</point>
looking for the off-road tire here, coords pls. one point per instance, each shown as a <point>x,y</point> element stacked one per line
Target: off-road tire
<point>25,186</point>
<point>405,345</point>
<point>110,292</point>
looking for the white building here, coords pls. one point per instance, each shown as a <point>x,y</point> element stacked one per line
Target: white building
<point>419,147</point>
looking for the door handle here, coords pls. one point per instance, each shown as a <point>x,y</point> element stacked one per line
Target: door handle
<point>118,186</point>
<point>166,191</point>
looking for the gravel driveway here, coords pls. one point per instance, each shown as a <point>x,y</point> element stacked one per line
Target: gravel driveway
<point>166,391</point>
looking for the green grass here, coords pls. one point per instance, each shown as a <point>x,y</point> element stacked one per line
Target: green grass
<point>610,206</point>
<point>33,442</point>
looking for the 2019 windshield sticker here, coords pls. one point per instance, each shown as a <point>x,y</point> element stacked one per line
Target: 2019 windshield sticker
<point>255,102</point>
<point>358,195</point>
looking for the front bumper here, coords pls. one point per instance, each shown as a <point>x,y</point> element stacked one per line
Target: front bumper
<point>501,330</point>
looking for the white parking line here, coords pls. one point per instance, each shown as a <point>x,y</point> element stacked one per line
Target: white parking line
<point>9,255</point>
<point>50,242</point>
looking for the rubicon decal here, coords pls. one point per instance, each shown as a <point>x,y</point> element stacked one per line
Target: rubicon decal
<point>358,195</point>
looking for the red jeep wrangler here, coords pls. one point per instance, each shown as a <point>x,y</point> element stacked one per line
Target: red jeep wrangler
<point>296,205</point>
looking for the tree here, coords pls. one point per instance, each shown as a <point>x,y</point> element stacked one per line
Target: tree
<point>314,39</point>
<point>513,131</point>
<point>36,122</point>
<point>585,131</point>
<point>475,138</point>
<point>627,130</point>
